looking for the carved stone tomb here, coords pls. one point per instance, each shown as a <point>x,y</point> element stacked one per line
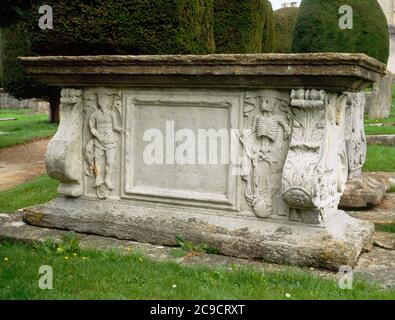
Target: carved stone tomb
<point>246,153</point>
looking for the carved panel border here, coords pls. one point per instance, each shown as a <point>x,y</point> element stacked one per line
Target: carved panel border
<point>134,100</point>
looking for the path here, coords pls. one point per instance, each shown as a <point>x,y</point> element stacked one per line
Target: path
<point>22,163</point>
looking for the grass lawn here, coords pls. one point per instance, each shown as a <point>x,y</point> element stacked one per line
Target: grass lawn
<point>389,228</point>
<point>386,129</point>
<point>27,127</point>
<point>40,190</point>
<point>380,158</point>
<point>111,275</point>
<point>88,274</point>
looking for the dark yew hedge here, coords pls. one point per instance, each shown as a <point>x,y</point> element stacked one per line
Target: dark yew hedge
<point>243,26</point>
<point>95,27</point>
<point>284,21</point>
<point>82,27</point>
<point>268,29</point>
<point>317,28</point>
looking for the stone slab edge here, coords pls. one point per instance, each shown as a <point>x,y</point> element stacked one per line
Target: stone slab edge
<point>327,247</point>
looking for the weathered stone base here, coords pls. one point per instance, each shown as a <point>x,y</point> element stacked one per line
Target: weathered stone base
<point>339,243</point>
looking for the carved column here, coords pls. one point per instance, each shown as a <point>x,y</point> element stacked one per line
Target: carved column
<point>64,153</point>
<point>355,132</point>
<point>315,171</point>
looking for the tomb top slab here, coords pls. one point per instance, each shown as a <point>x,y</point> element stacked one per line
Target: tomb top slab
<point>333,71</point>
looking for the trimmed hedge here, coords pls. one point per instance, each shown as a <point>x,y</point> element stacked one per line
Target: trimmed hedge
<point>93,27</point>
<point>243,26</point>
<point>317,28</point>
<point>268,29</point>
<point>128,27</point>
<point>285,21</point>
<point>16,41</point>
<point>83,27</point>
<point>12,10</point>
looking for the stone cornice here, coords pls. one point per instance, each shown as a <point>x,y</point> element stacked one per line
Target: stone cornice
<point>334,71</point>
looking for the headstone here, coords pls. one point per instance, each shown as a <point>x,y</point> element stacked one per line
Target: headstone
<point>249,154</point>
<point>40,107</point>
<point>380,100</point>
<point>383,140</point>
<point>37,106</point>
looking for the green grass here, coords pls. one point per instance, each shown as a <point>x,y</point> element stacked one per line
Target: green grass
<point>380,130</point>
<point>380,158</point>
<point>27,127</point>
<point>389,228</point>
<point>40,190</point>
<point>386,129</point>
<point>111,275</point>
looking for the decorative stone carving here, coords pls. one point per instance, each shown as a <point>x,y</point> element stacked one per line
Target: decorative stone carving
<point>355,138</point>
<point>313,180</point>
<point>63,158</point>
<point>171,106</point>
<point>265,143</point>
<point>100,150</point>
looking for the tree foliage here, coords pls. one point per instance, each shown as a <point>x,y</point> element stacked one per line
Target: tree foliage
<point>317,28</point>
<point>96,27</point>
<point>285,20</point>
<point>243,26</point>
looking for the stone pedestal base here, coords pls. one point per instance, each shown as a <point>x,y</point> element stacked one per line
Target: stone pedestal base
<point>339,242</point>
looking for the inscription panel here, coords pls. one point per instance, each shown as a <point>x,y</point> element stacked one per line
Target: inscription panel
<point>177,147</point>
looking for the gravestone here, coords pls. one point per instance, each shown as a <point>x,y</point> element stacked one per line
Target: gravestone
<point>37,106</point>
<point>379,101</point>
<point>246,153</point>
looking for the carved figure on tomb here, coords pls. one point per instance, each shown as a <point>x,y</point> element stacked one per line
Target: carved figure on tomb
<point>101,150</point>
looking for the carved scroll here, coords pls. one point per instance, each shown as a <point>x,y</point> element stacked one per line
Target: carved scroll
<point>355,132</point>
<point>63,158</point>
<point>311,179</point>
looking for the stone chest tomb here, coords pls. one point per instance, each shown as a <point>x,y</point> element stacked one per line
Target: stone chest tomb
<point>246,153</point>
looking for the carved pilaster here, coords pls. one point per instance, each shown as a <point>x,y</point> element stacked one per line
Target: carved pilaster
<point>267,124</point>
<point>103,113</point>
<point>64,156</point>
<point>312,178</point>
<point>355,132</point>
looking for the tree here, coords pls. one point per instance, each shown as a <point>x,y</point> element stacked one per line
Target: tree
<point>284,25</point>
<point>12,10</point>
<point>317,28</point>
<point>243,26</point>
<point>268,29</point>
<point>93,27</point>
